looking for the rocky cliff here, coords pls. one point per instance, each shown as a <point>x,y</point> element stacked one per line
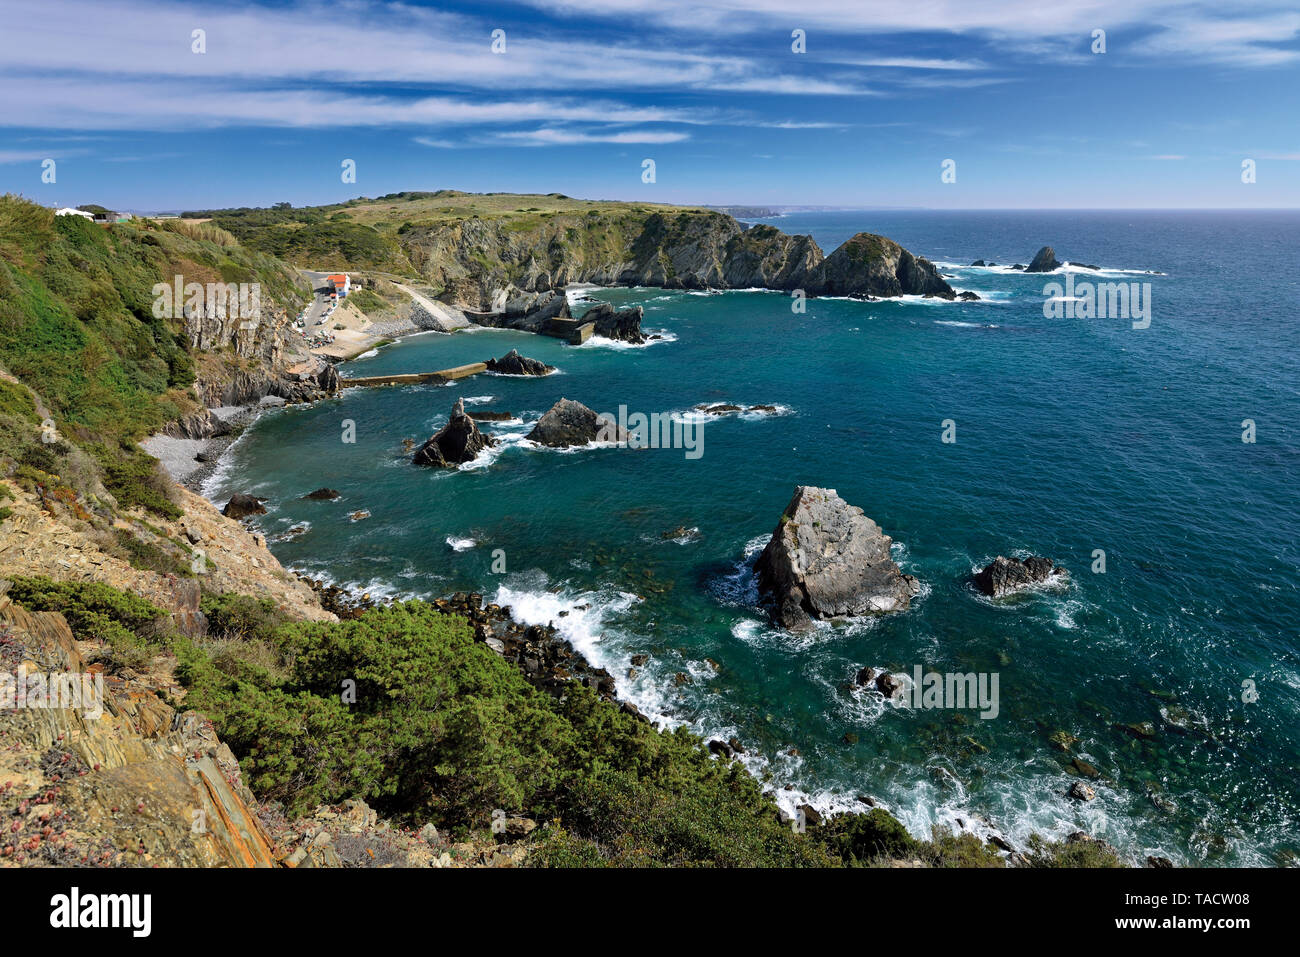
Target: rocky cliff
<point>493,265</point>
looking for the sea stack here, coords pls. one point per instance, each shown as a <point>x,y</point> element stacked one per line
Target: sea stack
<point>1044,261</point>
<point>457,442</point>
<point>826,559</point>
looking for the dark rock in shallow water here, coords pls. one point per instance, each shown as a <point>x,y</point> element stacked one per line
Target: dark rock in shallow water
<point>1083,266</point>
<point>1019,266</point>
<point>888,685</point>
<point>486,416</point>
<point>456,442</point>
<point>512,363</point>
<point>1044,261</point>
<point>979,262</point>
<point>1005,576</point>
<point>323,495</point>
<point>865,677</point>
<point>242,506</point>
<point>721,748</point>
<point>968,296</point>
<point>827,559</point>
<point>328,380</point>
<point>569,423</point>
<point>623,325</point>
<point>531,312</point>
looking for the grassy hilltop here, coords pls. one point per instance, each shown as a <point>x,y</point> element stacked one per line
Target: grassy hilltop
<point>386,233</point>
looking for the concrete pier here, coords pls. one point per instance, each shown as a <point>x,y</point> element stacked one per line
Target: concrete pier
<point>414,378</point>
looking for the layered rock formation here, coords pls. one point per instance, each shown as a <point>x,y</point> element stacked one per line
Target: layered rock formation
<point>121,782</point>
<point>827,559</point>
<point>1006,576</point>
<point>569,423</point>
<point>457,442</point>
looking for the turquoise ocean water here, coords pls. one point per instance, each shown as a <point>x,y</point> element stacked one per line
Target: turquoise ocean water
<point>1073,435</point>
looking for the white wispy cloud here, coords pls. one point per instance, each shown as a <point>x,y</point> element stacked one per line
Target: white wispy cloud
<point>554,137</point>
<point>1246,34</point>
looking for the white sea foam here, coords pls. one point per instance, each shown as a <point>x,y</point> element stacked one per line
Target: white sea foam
<point>460,544</point>
<point>600,342</point>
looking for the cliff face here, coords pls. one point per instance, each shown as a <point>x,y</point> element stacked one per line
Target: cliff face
<point>475,261</point>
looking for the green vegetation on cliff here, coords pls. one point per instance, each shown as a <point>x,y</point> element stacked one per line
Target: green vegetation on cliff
<point>403,708</point>
<point>77,327</point>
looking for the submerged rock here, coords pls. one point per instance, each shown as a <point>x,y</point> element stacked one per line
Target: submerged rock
<point>456,442</point>
<point>1006,576</point>
<point>512,363</point>
<point>827,559</point>
<point>1044,261</point>
<point>324,495</point>
<point>569,423</point>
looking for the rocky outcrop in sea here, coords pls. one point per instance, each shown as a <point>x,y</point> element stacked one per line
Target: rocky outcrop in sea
<point>623,325</point>
<point>826,559</point>
<point>1044,261</point>
<point>1006,576</point>
<point>512,363</point>
<point>569,423</point>
<point>457,442</point>
<point>873,265</point>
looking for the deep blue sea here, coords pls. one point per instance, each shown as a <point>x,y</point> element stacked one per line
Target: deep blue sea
<point>1073,435</point>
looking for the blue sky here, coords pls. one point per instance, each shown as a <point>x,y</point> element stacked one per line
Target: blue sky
<point>585,90</point>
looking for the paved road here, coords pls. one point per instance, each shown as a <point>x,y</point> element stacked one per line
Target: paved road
<point>319,306</point>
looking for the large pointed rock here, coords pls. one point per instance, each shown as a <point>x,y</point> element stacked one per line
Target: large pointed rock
<point>456,442</point>
<point>569,423</point>
<point>827,559</point>
<point>1044,261</point>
